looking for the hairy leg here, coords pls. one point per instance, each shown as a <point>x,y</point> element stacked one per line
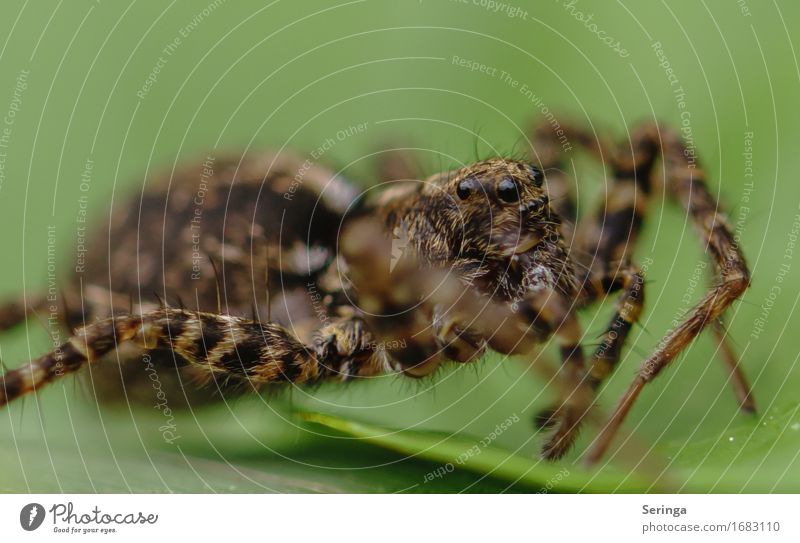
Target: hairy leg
<point>548,152</point>
<point>221,345</point>
<point>226,347</point>
<point>608,353</point>
<point>627,312</point>
<point>741,387</point>
<point>687,181</point>
<point>610,236</point>
<point>602,243</point>
<point>551,311</point>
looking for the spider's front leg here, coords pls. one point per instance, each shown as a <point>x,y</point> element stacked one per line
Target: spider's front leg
<point>436,317</point>
<point>607,354</point>
<point>425,314</point>
<point>548,312</point>
<point>222,346</point>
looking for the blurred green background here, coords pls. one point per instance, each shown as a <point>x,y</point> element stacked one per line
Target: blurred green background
<point>73,88</point>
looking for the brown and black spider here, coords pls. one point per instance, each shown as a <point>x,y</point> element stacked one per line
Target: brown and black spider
<point>492,260</point>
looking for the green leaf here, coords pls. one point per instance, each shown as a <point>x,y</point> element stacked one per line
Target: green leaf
<point>760,455</point>
<point>62,445</point>
<point>59,468</point>
<point>453,452</point>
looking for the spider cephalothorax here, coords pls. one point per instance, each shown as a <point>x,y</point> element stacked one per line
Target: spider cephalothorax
<point>490,222</point>
<point>427,271</point>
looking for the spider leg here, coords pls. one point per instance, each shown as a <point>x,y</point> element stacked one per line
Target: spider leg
<point>547,150</point>
<point>435,318</point>
<point>221,345</point>
<point>426,313</point>
<point>628,309</point>
<point>618,221</point>
<point>606,243</point>
<point>741,387</point>
<point>551,141</point>
<point>624,214</point>
<point>550,312</point>
<point>579,382</point>
<point>687,181</point>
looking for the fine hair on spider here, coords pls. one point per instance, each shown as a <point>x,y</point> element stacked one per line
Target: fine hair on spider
<point>490,256</point>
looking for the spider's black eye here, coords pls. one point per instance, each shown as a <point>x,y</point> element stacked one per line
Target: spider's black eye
<point>507,190</point>
<point>537,176</point>
<point>467,187</point>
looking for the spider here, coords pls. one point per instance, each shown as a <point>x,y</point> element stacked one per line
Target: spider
<point>342,285</point>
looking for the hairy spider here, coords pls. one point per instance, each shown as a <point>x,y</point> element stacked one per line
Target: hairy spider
<point>343,287</point>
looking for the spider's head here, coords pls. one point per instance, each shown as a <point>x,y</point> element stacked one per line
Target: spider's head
<point>500,207</point>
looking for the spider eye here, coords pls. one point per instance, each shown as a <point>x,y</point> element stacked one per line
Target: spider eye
<point>467,187</point>
<point>537,176</point>
<point>507,190</point>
